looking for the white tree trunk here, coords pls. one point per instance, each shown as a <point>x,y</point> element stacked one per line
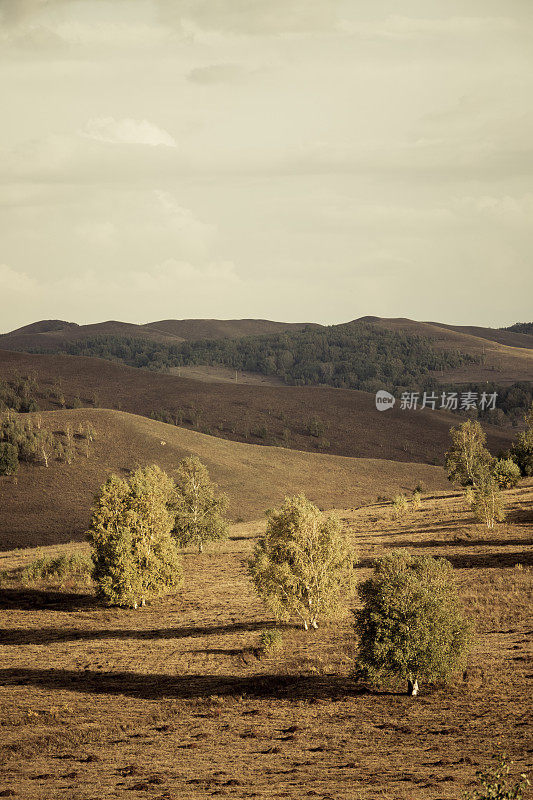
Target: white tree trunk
<point>412,687</point>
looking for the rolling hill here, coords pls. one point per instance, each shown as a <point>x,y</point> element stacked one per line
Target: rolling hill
<point>445,353</point>
<point>506,356</point>
<point>52,334</point>
<point>52,505</point>
<point>252,413</point>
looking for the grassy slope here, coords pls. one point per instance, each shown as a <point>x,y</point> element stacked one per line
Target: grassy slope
<point>174,701</point>
<point>48,505</point>
<point>353,426</point>
<point>508,356</point>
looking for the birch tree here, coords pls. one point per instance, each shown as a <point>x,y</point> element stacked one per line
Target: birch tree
<point>135,556</point>
<point>199,507</point>
<point>411,625</point>
<point>303,566</point>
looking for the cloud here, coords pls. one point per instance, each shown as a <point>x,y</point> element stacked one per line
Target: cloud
<point>253,17</point>
<point>407,28</point>
<point>217,73</point>
<point>127,131</point>
<point>14,282</point>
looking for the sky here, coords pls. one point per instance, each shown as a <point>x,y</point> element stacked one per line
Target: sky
<point>297,160</point>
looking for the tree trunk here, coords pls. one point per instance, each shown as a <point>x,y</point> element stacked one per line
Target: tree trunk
<point>412,687</point>
<point>200,547</point>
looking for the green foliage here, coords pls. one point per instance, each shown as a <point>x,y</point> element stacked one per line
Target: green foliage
<point>416,500</point>
<point>410,625</point>
<point>303,565</point>
<point>19,394</point>
<point>199,509</point>
<point>521,451</point>
<point>31,443</point>
<point>520,327</point>
<point>506,473</point>
<point>9,458</point>
<point>315,427</point>
<point>467,458</point>
<point>135,556</point>
<point>58,569</point>
<point>400,506</point>
<point>487,502</point>
<point>271,641</point>
<point>495,784</point>
<point>354,355</point>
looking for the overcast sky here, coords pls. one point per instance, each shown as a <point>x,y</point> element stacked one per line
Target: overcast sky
<point>296,160</point>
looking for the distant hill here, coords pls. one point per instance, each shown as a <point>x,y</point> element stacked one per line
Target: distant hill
<point>396,352</point>
<point>521,327</point>
<point>261,414</point>
<point>55,334</point>
<point>51,505</point>
<point>505,356</point>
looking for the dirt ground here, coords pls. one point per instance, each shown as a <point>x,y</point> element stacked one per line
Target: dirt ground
<point>175,701</point>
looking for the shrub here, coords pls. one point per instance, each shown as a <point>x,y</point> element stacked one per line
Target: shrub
<point>9,458</point>
<point>495,784</point>
<point>506,472</point>
<point>416,500</point>
<point>76,566</point>
<point>468,457</point>
<point>400,506</point>
<point>198,508</point>
<point>271,641</point>
<point>303,564</point>
<point>135,556</point>
<point>410,625</point>
<point>315,427</point>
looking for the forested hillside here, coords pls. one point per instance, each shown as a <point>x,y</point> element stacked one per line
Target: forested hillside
<point>354,356</point>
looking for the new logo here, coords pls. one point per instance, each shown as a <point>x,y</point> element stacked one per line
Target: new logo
<point>384,400</point>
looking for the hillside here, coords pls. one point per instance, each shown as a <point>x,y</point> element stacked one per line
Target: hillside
<point>506,356</point>
<point>259,414</point>
<point>50,505</point>
<point>53,334</point>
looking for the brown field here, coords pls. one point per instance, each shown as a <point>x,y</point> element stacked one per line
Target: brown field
<point>255,414</point>
<point>212,374</point>
<point>47,505</point>
<point>176,701</point>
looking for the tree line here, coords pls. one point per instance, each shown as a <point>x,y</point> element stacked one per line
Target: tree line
<point>351,356</point>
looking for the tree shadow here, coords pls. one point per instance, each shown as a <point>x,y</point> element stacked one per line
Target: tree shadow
<point>470,560</point>
<point>150,687</point>
<point>10,636</point>
<point>31,599</point>
<point>463,543</point>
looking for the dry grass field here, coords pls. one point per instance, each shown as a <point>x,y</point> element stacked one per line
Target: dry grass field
<point>176,701</point>
<point>47,505</point>
<point>254,414</point>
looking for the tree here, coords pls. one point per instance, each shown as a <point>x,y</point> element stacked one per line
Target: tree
<point>410,625</point>
<point>522,450</point>
<point>135,556</point>
<point>9,459</point>
<point>198,507</point>
<point>303,564</point>
<point>487,503</point>
<point>467,456</point>
<point>506,473</point>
